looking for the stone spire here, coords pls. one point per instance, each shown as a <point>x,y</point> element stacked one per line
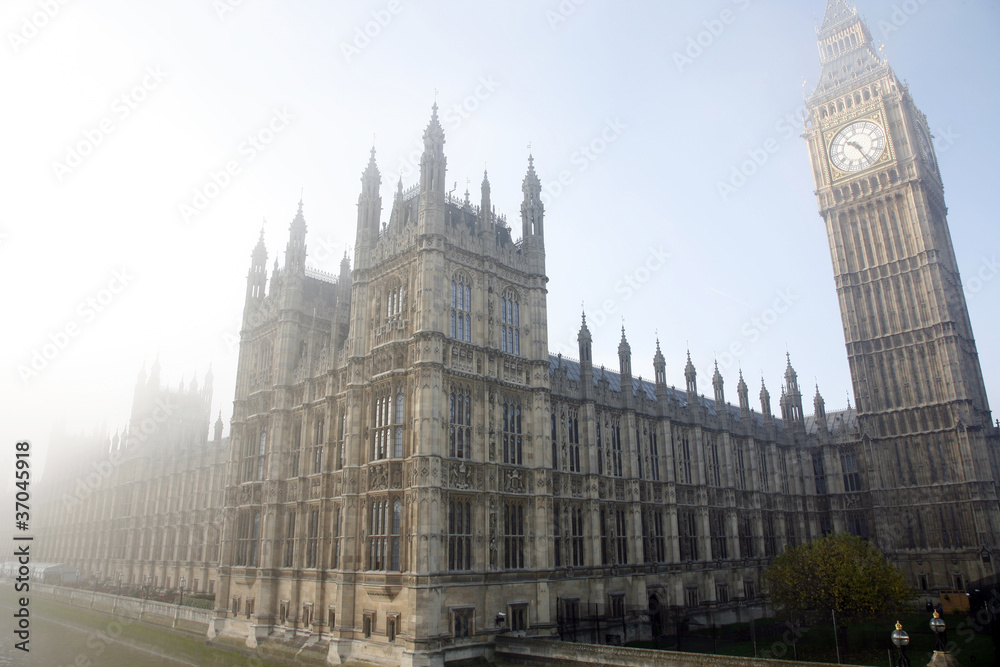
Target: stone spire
<point>845,50</point>
<point>791,399</point>
<point>257,278</point>
<point>837,12</point>
<point>295,251</point>
<point>532,210</point>
<point>585,341</point>
<point>718,385</point>
<point>765,401</point>
<point>744,395</point>
<point>586,360</point>
<point>484,203</point>
<point>691,376</point>
<point>369,213</point>
<point>396,217</point>
<point>659,368</point>
<point>819,408</point>
<point>432,162</point>
<point>624,358</point>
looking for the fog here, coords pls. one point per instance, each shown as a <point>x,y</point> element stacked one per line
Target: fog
<point>147,146</point>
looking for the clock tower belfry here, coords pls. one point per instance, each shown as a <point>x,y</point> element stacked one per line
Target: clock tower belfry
<point>918,387</point>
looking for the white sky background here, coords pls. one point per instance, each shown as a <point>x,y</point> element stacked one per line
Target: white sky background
<point>554,84</point>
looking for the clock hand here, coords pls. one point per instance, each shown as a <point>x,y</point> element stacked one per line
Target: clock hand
<point>855,146</point>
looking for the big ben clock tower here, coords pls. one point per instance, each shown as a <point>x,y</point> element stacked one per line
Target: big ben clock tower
<point>928,437</point>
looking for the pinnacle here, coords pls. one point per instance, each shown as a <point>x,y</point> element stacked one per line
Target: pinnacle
<point>434,129</point>
<point>837,11</point>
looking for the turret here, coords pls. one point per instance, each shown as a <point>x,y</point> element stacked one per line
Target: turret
<point>660,373</point>
<point>586,360</point>
<point>485,206</point>
<point>532,209</point>
<point>625,368</point>
<point>369,213</point>
<point>396,217</point>
<point>744,396</point>
<point>691,376</point>
<point>624,356</point>
<point>819,407</point>
<point>257,278</point>
<point>433,165</point>
<point>691,383</point>
<point>765,402</point>
<point>720,395</point>
<point>295,251</point>
<point>154,374</point>
<point>218,428</point>
<point>791,401</point>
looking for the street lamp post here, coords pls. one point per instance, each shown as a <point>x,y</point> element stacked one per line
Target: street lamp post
<point>120,577</point>
<point>901,640</point>
<point>940,633</point>
<point>180,601</point>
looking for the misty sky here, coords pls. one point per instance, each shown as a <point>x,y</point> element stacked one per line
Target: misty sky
<point>144,144</point>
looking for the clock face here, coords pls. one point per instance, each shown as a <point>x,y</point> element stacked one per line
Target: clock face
<point>857,146</point>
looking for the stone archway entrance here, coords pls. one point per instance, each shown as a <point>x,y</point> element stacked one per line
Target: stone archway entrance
<point>655,619</point>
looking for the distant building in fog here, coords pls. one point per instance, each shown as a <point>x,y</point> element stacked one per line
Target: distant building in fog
<point>147,504</point>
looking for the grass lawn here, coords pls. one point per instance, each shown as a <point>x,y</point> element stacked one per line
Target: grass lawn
<point>180,644</point>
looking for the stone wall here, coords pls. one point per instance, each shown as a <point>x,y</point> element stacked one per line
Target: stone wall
<point>160,613</point>
<point>524,651</point>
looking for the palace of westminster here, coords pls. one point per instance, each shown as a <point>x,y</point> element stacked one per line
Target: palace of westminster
<point>407,460</point>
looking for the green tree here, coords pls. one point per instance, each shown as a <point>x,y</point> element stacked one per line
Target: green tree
<point>838,572</point>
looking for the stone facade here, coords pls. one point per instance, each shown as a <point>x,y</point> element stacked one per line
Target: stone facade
<point>407,461</point>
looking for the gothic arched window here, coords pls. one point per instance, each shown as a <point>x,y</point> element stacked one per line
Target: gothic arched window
<point>512,443</point>
<point>510,324</point>
<point>397,442</point>
<point>383,425</point>
<point>461,308</point>
<point>393,301</point>
<point>384,532</point>
<point>460,422</point>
